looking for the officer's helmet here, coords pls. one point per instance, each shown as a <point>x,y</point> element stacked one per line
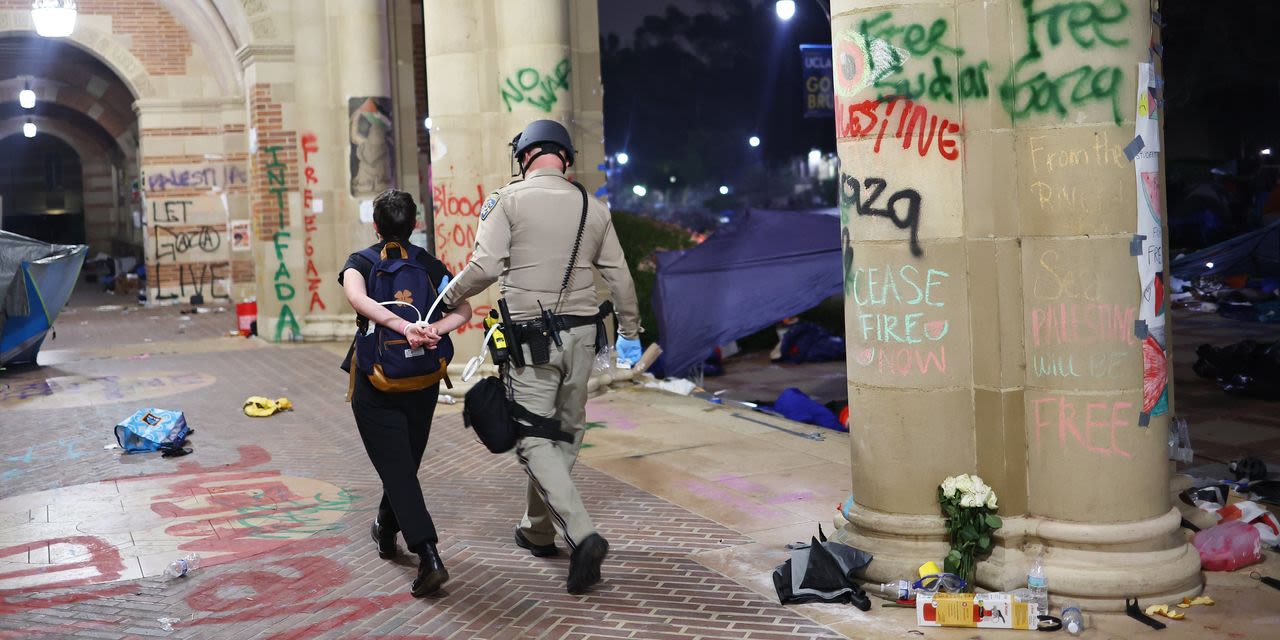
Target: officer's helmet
<point>542,132</point>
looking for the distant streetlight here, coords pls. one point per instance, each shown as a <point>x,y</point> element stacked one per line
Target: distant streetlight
<point>426,123</point>
<point>27,98</point>
<point>639,190</point>
<point>814,156</point>
<point>29,129</point>
<point>1208,265</point>
<point>672,179</point>
<point>1267,151</point>
<point>786,9</point>
<point>754,141</point>
<point>724,190</point>
<point>622,158</point>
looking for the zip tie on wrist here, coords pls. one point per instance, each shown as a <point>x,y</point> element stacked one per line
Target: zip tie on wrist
<point>404,329</point>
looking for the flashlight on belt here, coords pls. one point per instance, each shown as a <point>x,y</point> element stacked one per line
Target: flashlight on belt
<point>497,341</point>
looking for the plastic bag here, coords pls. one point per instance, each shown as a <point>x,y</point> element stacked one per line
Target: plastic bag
<point>1228,546</point>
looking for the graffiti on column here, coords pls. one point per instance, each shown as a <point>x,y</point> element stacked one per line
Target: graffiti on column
<point>877,55</point>
<point>456,215</point>
<point>282,280</point>
<point>186,250</point>
<point>372,146</point>
<point>866,203</point>
<point>309,213</point>
<point>915,125</point>
<point>899,325</point>
<point>1030,90</point>
<point>540,89</point>
<point>198,177</point>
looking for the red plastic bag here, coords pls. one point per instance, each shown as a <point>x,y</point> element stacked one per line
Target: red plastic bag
<point>1228,546</point>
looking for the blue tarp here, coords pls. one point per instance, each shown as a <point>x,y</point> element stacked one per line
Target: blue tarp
<point>763,267</point>
<point>36,279</point>
<point>1256,253</point>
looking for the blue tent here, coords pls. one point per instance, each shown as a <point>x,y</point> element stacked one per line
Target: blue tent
<point>1256,253</point>
<point>36,279</point>
<point>763,267</point>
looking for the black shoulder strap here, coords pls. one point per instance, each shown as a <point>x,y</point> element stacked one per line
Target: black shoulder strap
<point>538,427</point>
<point>577,245</point>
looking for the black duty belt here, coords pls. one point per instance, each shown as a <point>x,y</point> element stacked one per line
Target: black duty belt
<point>534,328</point>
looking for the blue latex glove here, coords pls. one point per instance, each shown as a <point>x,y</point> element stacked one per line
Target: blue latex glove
<point>628,349</point>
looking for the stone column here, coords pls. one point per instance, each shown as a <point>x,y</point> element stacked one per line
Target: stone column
<point>493,67</point>
<point>989,209</point>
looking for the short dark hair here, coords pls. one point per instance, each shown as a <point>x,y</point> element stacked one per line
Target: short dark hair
<point>395,213</point>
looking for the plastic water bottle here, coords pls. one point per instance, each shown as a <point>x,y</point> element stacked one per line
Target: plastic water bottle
<point>1072,619</point>
<point>181,566</point>
<point>1039,584</point>
<point>899,590</point>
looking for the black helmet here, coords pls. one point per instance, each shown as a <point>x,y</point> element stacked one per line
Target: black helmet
<point>542,132</point>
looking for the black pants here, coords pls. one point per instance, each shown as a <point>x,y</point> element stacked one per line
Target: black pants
<point>394,428</point>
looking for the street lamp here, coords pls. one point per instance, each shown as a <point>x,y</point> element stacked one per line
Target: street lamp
<point>754,141</point>
<point>1266,152</point>
<point>786,9</point>
<point>29,129</point>
<point>639,190</point>
<point>426,123</point>
<point>27,97</point>
<point>54,18</point>
<point>622,157</point>
<point>724,190</point>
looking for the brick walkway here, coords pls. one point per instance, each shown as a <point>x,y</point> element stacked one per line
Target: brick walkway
<point>267,574</point>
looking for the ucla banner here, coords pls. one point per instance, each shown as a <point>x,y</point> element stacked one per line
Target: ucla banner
<point>819,98</point>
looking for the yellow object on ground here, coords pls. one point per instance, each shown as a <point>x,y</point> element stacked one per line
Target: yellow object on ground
<point>1187,603</point>
<point>1164,610</point>
<point>929,568</point>
<point>261,407</point>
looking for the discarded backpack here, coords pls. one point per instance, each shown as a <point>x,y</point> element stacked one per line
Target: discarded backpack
<point>488,412</point>
<point>153,430</point>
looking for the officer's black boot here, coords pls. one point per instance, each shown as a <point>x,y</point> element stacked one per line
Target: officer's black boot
<point>584,564</point>
<point>431,572</point>
<point>386,539</point>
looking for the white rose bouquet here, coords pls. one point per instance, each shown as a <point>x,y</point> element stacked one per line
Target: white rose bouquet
<point>970,509</point>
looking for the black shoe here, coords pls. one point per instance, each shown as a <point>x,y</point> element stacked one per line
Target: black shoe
<point>536,550</point>
<point>386,540</point>
<point>584,564</point>
<point>431,573</point>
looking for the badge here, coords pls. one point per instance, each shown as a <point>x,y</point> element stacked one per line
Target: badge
<point>488,206</point>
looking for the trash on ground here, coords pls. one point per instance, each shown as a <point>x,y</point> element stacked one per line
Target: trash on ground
<point>808,342</point>
<point>1180,441</point>
<point>996,610</point>
<point>1164,610</point>
<point>794,404</point>
<point>1256,516</point>
<point>182,566</point>
<point>108,307</point>
<point>153,429</point>
<point>1248,468</point>
<point>1228,546</point>
<point>1187,603</point>
<point>680,386</point>
<point>1134,610</point>
<point>1247,368</point>
<point>167,623</point>
<point>822,571</point>
<point>261,406</point>
<point>447,399</point>
<point>108,447</point>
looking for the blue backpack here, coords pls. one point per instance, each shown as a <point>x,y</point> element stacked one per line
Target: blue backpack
<point>383,354</point>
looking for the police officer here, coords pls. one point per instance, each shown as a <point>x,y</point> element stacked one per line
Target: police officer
<point>529,234</point>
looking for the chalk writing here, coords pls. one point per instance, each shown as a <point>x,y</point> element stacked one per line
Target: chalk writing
<point>275,170</point>
<point>82,391</point>
<point>851,197</point>
<point>897,306</point>
<point>1027,91</point>
<point>309,147</point>
<point>1081,423</point>
<point>1103,154</point>
<point>914,125</point>
<point>535,88</point>
<point>1082,324</point>
<point>196,178</point>
<point>1053,281</point>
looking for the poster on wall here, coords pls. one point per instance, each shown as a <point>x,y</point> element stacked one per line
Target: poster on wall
<point>240,235</point>
<point>1148,248</point>
<point>372,146</point>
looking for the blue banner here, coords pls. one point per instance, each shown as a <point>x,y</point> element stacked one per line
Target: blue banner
<point>819,93</point>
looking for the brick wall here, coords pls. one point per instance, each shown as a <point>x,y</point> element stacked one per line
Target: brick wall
<point>159,41</point>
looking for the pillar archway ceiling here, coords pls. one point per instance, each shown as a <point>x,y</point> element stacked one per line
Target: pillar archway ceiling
<point>70,84</point>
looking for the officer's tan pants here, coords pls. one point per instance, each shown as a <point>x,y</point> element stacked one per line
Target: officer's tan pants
<point>557,389</point>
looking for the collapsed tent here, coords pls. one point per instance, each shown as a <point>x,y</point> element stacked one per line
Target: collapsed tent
<point>36,278</point>
<point>764,267</point>
<point>1256,253</point>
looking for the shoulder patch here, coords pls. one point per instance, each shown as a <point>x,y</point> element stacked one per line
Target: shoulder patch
<point>488,205</point>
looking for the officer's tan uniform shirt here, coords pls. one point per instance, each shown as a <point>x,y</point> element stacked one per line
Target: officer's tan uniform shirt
<point>525,239</point>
